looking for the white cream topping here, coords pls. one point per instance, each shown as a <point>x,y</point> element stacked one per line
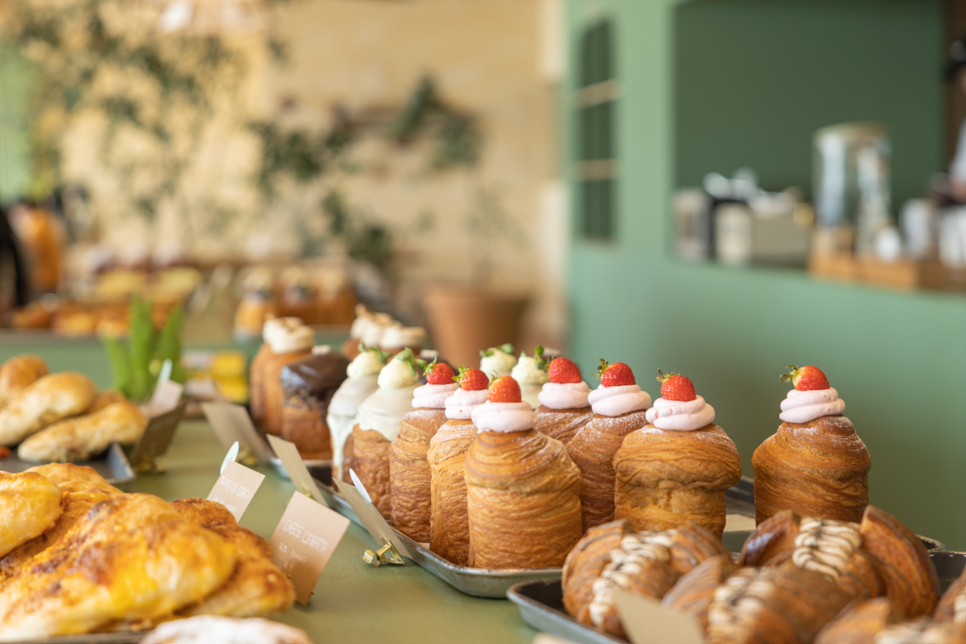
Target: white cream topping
<point>825,546</point>
<point>383,410</point>
<point>397,375</point>
<point>674,415</point>
<point>806,406</point>
<point>565,395</point>
<point>498,364</point>
<point>461,404</point>
<point>340,428</point>
<point>398,336</point>
<point>504,417</point>
<point>350,394</point>
<point>372,330</point>
<point>617,401</point>
<point>527,372</point>
<point>289,335</point>
<point>530,394</point>
<point>365,364</point>
<point>273,325</point>
<point>433,396</point>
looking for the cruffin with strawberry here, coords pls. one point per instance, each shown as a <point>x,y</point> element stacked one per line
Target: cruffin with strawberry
<point>564,407</point>
<point>815,464</point>
<point>678,467</point>
<point>618,408</point>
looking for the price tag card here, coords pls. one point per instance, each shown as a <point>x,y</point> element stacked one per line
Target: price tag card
<point>166,396</point>
<point>236,488</point>
<point>370,517</point>
<point>157,436</point>
<point>650,622</point>
<point>292,461</point>
<point>304,541</point>
<point>232,423</point>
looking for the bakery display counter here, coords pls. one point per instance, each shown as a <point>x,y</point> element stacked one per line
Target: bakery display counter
<point>353,602</point>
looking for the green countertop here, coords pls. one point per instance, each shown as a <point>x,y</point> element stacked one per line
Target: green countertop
<point>353,602</point>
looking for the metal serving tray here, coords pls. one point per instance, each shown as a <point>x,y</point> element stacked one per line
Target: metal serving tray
<point>541,603</point>
<point>494,583</point>
<point>112,464</point>
<point>93,638</point>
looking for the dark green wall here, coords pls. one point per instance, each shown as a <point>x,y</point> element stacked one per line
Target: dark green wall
<point>898,359</point>
<point>755,78</point>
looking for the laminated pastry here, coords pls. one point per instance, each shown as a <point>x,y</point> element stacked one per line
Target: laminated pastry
<point>130,558</point>
<point>398,337</point>
<point>860,623</point>
<point>49,399</point>
<point>564,406</point>
<point>678,467</point>
<point>105,398</point>
<point>308,385</point>
<point>289,340</point>
<point>952,606</point>
<point>787,605</point>
<point>531,375</point>
<point>30,504</point>
<point>78,439</point>
<point>74,478</point>
<point>498,361</point>
<point>378,422</point>
<point>409,473</point>
<point>815,464</point>
<point>523,491</point>
<point>449,529</point>
<point>879,557</point>
<point>647,564</point>
<point>297,298</point>
<point>619,408</point>
<point>225,630</point>
<point>257,305</point>
<point>19,372</point>
<point>362,382</point>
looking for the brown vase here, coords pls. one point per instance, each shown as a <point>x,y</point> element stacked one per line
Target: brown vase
<point>465,319</point>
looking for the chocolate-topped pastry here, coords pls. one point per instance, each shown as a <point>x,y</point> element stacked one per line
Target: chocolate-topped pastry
<point>307,387</point>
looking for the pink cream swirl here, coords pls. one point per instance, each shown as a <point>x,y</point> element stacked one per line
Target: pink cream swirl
<point>806,406</point>
<point>433,396</point>
<point>564,395</point>
<point>461,404</point>
<point>504,417</point>
<point>616,401</point>
<point>674,415</point>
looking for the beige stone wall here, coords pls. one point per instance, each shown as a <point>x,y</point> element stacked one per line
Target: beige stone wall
<point>487,56</point>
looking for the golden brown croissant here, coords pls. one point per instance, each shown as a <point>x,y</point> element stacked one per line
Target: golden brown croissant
<point>647,564</point>
<point>74,478</point>
<point>592,449</point>
<point>665,478</point>
<point>139,574</point>
<point>49,399</point>
<point>819,469</point>
<point>880,556</point>
<point>860,623</point>
<point>410,477</point>
<point>256,587</point>
<point>19,372</point>
<point>370,460</point>
<point>449,530</point>
<point>523,500</point>
<point>77,439</point>
<point>784,605</point>
<point>203,512</point>
<point>561,424</point>
<point>105,398</point>
<point>76,506</point>
<point>29,506</point>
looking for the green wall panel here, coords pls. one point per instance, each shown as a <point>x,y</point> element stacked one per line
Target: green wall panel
<point>755,78</point>
<point>14,138</point>
<point>897,359</point>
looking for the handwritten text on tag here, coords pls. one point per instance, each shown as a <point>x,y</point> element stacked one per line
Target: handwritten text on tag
<point>304,541</point>
<point>236,488</point>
